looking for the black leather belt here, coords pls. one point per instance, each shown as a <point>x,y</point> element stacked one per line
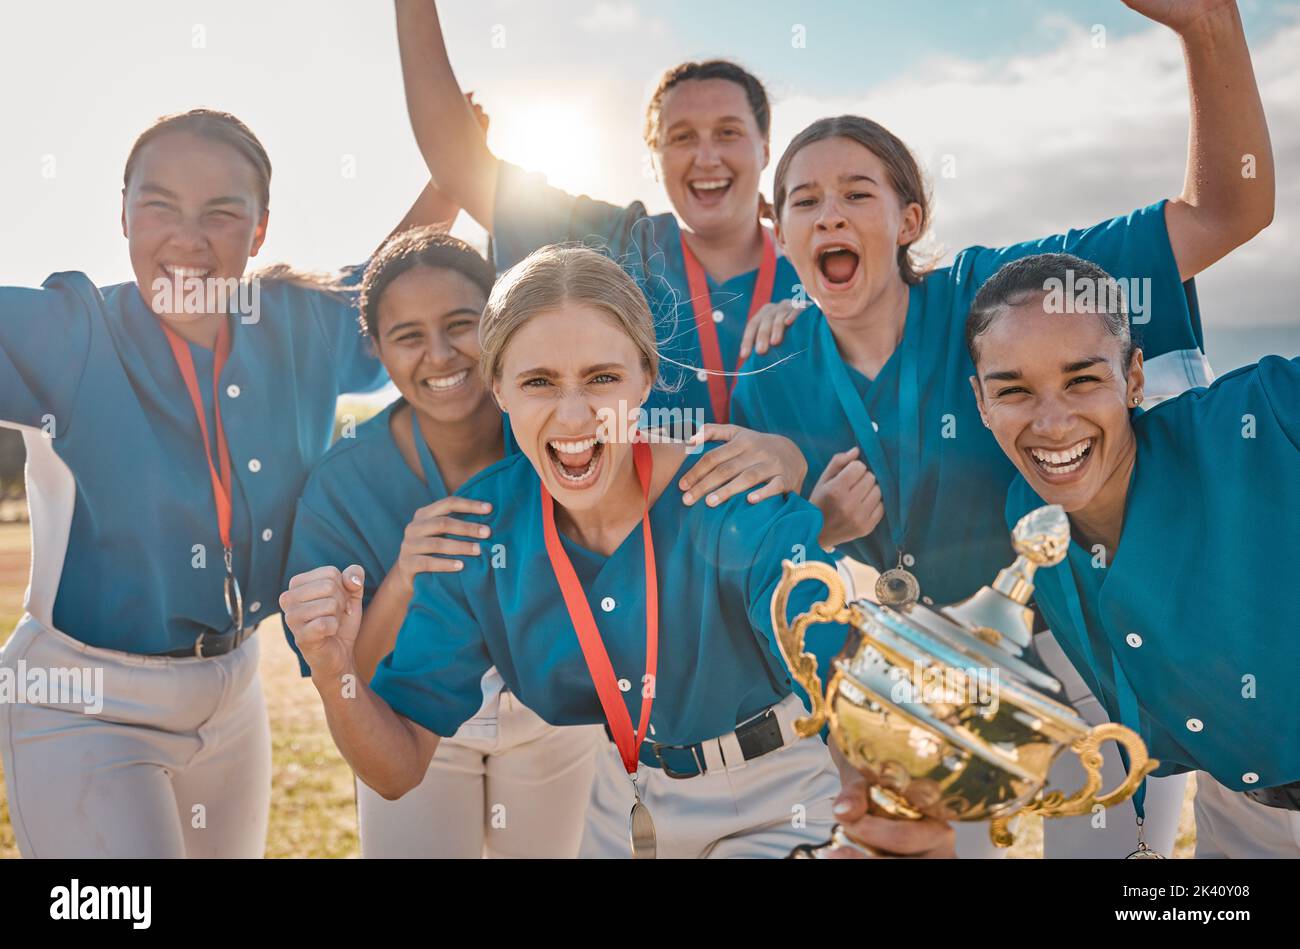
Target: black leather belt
<point>756,736</point>
<point>210,644</point>
<point>1285,796</point>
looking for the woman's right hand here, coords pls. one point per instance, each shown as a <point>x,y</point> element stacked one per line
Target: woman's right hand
<point>887,836</point>
<point>849,498</point>
<point>430,545</point>
<point>322,608</point>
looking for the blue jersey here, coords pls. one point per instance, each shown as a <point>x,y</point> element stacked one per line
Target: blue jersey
<point>1188,635</point>
<point>119,469</point>
<point>530,214</point>
<point>718,660</point>
<point>952,488</point>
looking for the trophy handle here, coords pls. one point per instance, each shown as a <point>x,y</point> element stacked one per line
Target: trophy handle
<point>790,637</point>
<point>1088,748</point>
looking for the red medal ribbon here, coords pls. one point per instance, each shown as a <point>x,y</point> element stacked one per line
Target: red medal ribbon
<point>584,623</point>
<point>221,484</point>
<point>702,304</point>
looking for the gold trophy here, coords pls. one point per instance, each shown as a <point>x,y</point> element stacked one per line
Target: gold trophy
<point>947,712</point>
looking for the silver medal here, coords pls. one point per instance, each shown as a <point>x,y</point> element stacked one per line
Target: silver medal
<point>641,830</point>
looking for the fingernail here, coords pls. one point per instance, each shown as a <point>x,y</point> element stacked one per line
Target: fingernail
<point>459,565</point>
<point>753,498</point>
<point>484,531</point>
<point>841,808</point>
<point>476,549</point>
<point>712,500</point>
<point>688,498</point>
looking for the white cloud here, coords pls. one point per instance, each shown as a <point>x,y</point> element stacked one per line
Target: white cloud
<point>619,17</point>
<point>1078,134</point>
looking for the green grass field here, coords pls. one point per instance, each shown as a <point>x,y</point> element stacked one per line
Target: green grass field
<point>312,808</point>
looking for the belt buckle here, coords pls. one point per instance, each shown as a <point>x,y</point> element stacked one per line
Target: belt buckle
<point>678,774</point>
<point>764,728</point>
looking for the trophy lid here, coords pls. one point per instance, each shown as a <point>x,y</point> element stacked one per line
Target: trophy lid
<point>1028,669</point>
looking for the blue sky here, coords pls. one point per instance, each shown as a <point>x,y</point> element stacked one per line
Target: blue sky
<point>1047,131</point>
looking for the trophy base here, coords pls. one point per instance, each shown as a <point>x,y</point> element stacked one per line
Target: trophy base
<point>822,850</point>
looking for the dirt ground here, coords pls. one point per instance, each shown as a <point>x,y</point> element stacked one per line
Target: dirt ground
<point>313,813</point>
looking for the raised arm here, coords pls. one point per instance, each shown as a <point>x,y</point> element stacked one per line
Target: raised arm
<point>433,207</point>
<point>1228,192</point>
<point>445,126</point>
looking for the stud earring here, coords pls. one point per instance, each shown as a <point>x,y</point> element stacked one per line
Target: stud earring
<point>1137,400</point>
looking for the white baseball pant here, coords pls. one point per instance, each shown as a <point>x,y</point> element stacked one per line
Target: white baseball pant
<point>522,794</point>
<point>176,762</point>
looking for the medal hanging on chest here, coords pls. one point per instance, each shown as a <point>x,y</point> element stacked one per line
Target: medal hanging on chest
<point>218,472</point>
<point>641,829</point>
<point>897,587</point>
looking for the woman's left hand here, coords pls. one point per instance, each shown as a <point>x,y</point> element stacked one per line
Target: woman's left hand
<point>749,458</point>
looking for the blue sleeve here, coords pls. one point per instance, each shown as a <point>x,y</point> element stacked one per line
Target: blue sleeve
<point>356,368</point>
<point>528,214</point>
<point>434,674</point>
<point>317,541</point>
<point>790,535</point>
<point>1163,311</point>
<point>44,347</point>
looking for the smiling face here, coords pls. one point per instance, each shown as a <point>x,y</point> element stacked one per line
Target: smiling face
<point>427,339</point>
<point>562,374</point>
<point>191,209</point>
<point>842,224</point>
<point>710,155</point>
<point>1052,388</point>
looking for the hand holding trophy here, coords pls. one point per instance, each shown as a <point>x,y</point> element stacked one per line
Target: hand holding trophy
<point>945,714</point>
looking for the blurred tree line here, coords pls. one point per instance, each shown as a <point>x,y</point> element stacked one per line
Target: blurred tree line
<point>12,456</point>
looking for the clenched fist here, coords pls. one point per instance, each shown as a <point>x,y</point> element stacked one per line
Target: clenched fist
<point>322,608</point>
<point>849,498</point>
